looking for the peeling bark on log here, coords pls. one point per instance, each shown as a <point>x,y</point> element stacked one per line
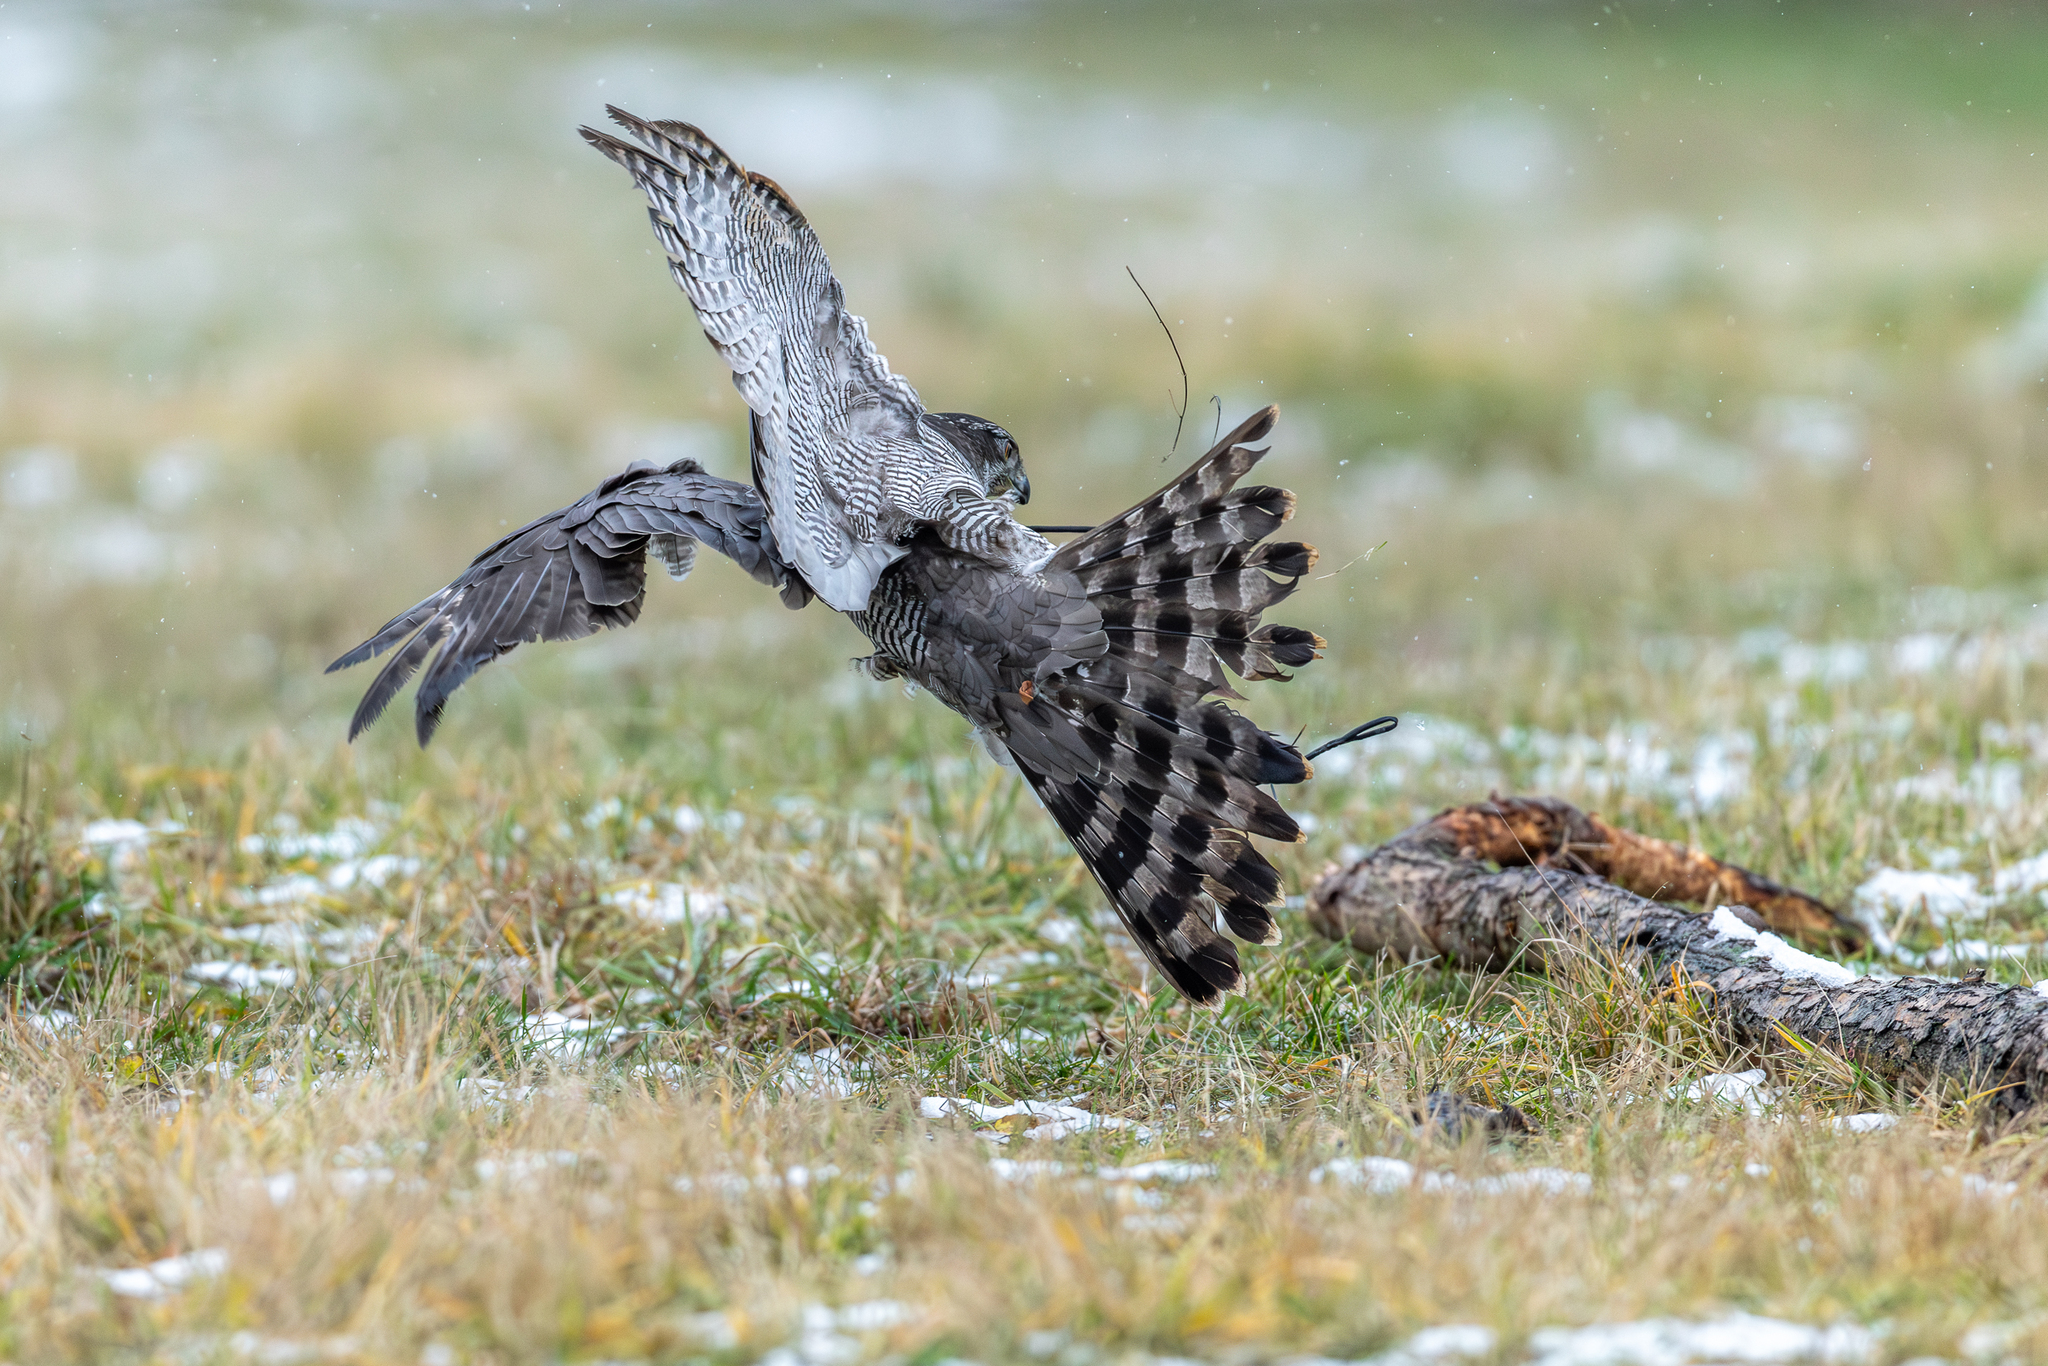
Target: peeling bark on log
<point>1426,894</point>
<point>1546,832</point>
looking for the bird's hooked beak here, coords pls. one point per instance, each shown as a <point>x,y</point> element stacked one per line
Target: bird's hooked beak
<point>1021,484</point>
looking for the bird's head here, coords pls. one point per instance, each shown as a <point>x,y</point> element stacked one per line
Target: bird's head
<point>991,453</point>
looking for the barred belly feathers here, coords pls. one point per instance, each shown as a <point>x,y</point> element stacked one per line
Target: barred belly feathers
<point>1097,669</point>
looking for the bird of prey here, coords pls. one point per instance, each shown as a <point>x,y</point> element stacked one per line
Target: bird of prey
<point>1095,668</point>
<point>845,455</point>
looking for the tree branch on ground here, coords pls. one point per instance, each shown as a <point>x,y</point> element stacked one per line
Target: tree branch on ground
<point>1430,893</point>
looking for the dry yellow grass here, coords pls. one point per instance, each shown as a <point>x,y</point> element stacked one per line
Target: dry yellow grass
<point>1686,366</point>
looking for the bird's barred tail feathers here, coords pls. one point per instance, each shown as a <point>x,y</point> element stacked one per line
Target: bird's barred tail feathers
<point>1163,802</point>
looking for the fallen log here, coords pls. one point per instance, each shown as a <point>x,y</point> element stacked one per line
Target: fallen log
<point>1546,832</point>
<point>1429,893</point>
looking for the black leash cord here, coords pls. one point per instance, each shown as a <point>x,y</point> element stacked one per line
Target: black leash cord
<point>1379,725</point>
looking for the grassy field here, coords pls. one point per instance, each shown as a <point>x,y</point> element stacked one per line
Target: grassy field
<point>1664,387</point>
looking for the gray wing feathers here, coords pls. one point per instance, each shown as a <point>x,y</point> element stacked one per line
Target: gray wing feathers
<point>565,576</point>
<point>830,410</point>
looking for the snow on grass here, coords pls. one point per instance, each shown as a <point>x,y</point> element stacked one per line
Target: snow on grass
<point>669,903</point>
<point>1443,1343</point>
<point>122,842</point>
<point>520,1163</point>
<point>1391,1175</point>
<point>1676,1342</point>
<point>1043,1119</point>
<point>242,977</point>
<point>825,1335</point>
<point>1889,895</point>
<point>351,837</point>
<point>54,1022</point>
<point>1871,1123</point>
<point>1164,1169</point>
<point>2024,878</point>
<point>166,1277</point>
<point>1743,1089</point>
<point>298,939</point>
<point>570,1035</point>
<point>1968,951</point>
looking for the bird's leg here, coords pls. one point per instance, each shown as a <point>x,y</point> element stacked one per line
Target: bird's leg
<point>984,528</point>
<point>877,666</point>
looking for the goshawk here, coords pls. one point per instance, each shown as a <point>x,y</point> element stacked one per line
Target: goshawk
<point>1093,667</point>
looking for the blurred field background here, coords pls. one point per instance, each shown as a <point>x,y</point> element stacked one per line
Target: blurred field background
<point>1665,386</point>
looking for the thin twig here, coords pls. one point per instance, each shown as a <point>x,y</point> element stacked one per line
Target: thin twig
<point>1217,399</point>
<point>1181,416</point>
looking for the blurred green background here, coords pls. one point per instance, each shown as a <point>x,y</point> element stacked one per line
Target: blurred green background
<point>1646,342</point>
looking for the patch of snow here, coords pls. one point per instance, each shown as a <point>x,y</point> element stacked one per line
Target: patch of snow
<point>1998,785</point>
<point>1922,652</point>
<point>166,1277</point>
<point>570,1034</point>
<point>374,871</point>
<point>1675,1342</point>
<point>1969,951</point>
<point>98,834</point>
<point>341,945</point>
<point>1820,433</point>
<point>668,903</point>
<point>1165,1169</point>
<point>827,1072</point>
<point>490,1093</point>
<point>1634,441</point>
<point>350,838</point>
<point>689,820</point>
<point>123,841</point>
<point>1871,1123</point>
<point>356,1180</point>
<point>2020,879</point>
<point>268,1351</point>
<point>1985,1188</point>
<point>37,476</point>
<point>1056,1120</point>
<point>714,1330</point>
<point>1744,1089</point>
<point>1390,1176</point>
<point>1008,1169</point>
<point>1779,954</point>
<point>1889,895</point>
<point>1989,1342</point>
<point>1058,929</point>
<point>1544,1180</point>
<point>243,977</point>
<point>288,891</point>
<point>520,1163</point>
<point>1440,1344</point>
<point>53,1022</point>
<point>824,1338</point>
<point>1839,661</point>
<point>1380,1175</point>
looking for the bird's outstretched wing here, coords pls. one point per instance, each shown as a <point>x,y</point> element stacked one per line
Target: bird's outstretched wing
<point>829,410</point>
<point>565,575</point>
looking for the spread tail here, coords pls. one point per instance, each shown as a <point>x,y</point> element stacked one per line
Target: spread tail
<point>1157,785</point>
